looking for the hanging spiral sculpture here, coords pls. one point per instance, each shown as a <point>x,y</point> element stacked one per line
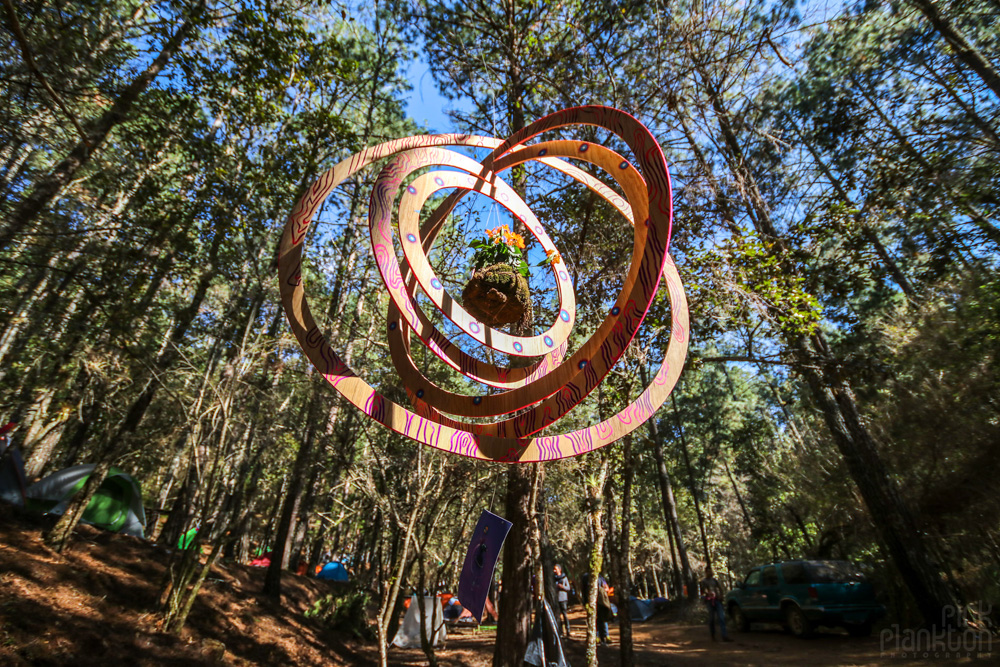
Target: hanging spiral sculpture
<point>531,397</point>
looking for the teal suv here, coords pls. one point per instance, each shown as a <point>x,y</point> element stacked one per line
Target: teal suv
<point>803,594</point>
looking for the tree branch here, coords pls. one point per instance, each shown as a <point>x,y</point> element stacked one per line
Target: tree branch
<point>29,60</point>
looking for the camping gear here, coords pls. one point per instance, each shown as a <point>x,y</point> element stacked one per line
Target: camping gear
<point>408,635</point>
<point>333,571</point>
<point>187,539</point>
<point>640,610</point>
<point>480,561</point>
<point>13,485</point>
<point>264,560</point>
<point>545,648</point>
<point>454,612</point>
<point>117,505</point>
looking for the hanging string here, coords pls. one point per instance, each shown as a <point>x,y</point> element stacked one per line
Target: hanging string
<point>494,212</point>
<point>494,495</point>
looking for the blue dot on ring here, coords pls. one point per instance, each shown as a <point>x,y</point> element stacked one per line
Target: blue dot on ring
<point>616,310</point>
<point>564,316</point>
<point>562,275</point>
<point>474,327</point>
<point>438,181</point>
<point>420,393</point>
<point>411,238</point>
<point>518,347</point>
<point>477,400</point>
<point>584,147</point>
<point>548,341</point>
<point>623,165</point>
<point>412,190</point>
<point>435,283</point>
<point>582,364</point>
<point>544,151</point>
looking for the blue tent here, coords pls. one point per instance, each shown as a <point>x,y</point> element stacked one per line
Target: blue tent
<point>333,571</point>
<point>640,610</point>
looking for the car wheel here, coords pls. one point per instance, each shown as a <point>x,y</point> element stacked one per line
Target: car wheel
<point>860,630</point>
<point>739,619</point>
<point>797,622</point>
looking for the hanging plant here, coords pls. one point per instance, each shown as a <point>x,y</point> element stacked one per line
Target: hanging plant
<point>497,294</point>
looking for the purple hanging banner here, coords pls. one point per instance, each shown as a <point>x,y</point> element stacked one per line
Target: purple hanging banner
<point>480,561</point>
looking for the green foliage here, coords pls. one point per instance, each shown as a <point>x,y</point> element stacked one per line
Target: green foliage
<point>500,246</point>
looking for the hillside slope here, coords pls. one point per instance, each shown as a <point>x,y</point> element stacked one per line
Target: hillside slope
<point>96,603</point>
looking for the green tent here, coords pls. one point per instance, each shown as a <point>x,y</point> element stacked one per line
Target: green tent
<point>117,505</point>
<point>187,539</point>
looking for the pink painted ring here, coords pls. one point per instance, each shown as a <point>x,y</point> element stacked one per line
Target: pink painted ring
<point>442,432</point>
<point>523,395</point>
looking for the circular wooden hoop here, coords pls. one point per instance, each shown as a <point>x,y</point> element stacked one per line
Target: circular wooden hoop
<point>380,226</point>
<point>509,440</point>
<point>524,393</point>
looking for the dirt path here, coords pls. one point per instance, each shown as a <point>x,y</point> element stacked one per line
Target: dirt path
<point>660,643</point>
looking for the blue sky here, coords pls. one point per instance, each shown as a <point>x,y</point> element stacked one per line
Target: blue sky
<point>424,103</point>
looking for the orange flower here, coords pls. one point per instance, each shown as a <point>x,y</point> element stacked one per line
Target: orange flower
<point>553,256</point>
<point>503,234</point>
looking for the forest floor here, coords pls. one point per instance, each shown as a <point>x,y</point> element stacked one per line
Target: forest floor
<point>93,605</point>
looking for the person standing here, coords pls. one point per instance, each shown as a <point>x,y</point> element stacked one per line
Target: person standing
<point>604,610</point>
<point>712,594</point>
<point>562,588</point>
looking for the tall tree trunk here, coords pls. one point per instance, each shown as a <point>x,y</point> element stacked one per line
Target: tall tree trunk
<point>515,598</point>
<point>670,505</point>
<point>51,185</point>
<point>989,230</point>
<point>692,487</point>
<point>966,52</point>
<point>58,537</point>
<point>860,220</point>
<point>514,623</point>
<point>623,574</point>
<point>595,510</point>
<point>833,395</point>
<point>981,123</point>
<point>293,498</point>
<point>388,610</point>
<point>739,496</point>
<point>896,525</point>
<point>548,557</point>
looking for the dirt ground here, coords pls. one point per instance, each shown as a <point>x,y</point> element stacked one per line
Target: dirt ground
<point>658,642</point>
<point>93,606</point>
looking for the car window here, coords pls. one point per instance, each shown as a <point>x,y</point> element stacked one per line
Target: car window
<point>753,579</point>
<point>833,572</point>
<point>770,576</point>
<point>794,573</point>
